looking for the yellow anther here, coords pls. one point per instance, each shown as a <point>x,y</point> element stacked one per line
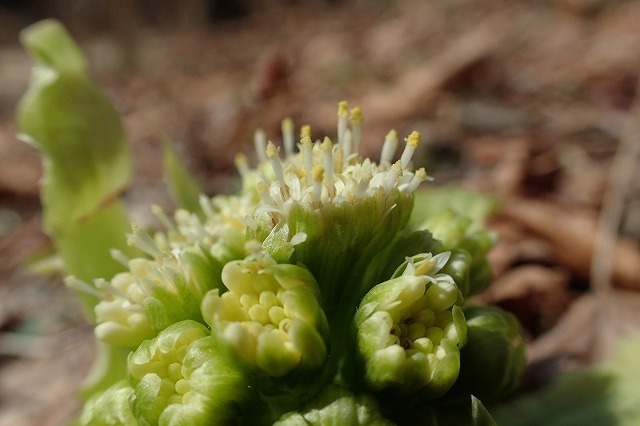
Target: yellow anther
<point>287,136</point>
<point>327,145</point>
<point>305,132</point>
<point>413,140</point>
<point>306,142</point>
<point>272,150</point>
<point>421,174</point>
<point>242,164</point>
<point>343,109</point>
<point>317,173</point>
<point>355,115</point>
<point>262,188</point>
<point>287,125</point>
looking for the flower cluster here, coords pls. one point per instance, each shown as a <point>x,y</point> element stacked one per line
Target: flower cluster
<point>319,294</point>
<point>264,304</point>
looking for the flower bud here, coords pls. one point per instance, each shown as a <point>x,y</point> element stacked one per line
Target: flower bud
<point>181,377</point>
<point>154,293</point>
<point>335,406</point>
<point>493,361</point>
<point>456,234</point>
<point>270,316</point>
<point>410,328</point>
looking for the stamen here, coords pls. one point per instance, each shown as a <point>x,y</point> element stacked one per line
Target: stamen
<point>419,177</point>
<point>263,191</point>
<point>389,148</point>
<point>107,287</point>
<point>337,158</point>
<point>287,136</point>
<point>78,285</point>
<point>242,165</point>
<point>206,205</point>
<point>343,115</point>
<point>413,140</point>
<point>356,120</point>
<point>119,257</point>
<point>305,131</point>
<point>327,160</point>
<point>260,142</point>
<point>272,154</point>
<point>143,241</point>
<point>162,217</point>
<point>391,178</point>
<point>307,154</point>
<point>346,144</point>
<point>317,175</point>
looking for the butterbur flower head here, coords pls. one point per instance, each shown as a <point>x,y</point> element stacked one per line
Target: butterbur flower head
<point>410,329</point>
<point>270,316</point>
<point>325,205</point>
<point>154,293</point>
<point>217,230</point>
<point>181,377</point>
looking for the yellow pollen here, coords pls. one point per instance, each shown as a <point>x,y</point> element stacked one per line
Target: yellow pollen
<point>287,125</point>
<point>421,173</point>
<point>343,109</point>
<point>241,162</point>
<point>306,141</point>
<point>272,150</point>
<point>356,115</point>
<point>413,140</point>
<point>317,173</point>
<point>327,145</point>
<point>305,132</point>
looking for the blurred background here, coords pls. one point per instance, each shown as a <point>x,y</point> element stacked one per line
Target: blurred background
<point>527,101</point>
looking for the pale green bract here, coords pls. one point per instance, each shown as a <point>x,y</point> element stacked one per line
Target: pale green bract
<point>308,298</point>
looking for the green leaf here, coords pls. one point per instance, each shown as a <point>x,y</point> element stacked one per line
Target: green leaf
<point>608,394</point>
<point>184,189</point>
<point>85,155</point>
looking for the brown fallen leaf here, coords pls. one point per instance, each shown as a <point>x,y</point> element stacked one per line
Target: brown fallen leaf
<point>418,88</point>
<point>572,234</point>
<point>537,295</point>
<point>589,330</point>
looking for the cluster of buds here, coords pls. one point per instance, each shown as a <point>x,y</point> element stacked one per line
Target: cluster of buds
<point>270,305</point>
<point>316,295</point>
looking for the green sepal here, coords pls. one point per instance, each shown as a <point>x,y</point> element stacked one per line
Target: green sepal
<point>109,407</point>
<point>336,405</point>
<point>184,189</point>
